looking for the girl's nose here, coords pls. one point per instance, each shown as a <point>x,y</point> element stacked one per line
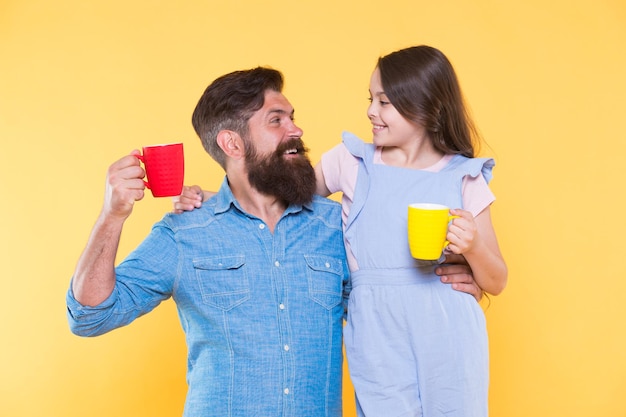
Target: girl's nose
<point>371,111</point>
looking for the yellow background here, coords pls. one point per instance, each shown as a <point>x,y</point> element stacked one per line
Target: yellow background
<point>82,83</point>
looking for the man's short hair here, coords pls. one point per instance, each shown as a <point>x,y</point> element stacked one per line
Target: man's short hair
<point>229,102</point>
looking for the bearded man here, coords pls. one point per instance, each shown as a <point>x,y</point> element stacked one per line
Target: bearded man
<point>258,273</point>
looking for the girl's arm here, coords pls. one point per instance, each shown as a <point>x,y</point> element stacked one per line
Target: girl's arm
<point>193,196</point>
<point>474,238</point>
<point>320,182</point>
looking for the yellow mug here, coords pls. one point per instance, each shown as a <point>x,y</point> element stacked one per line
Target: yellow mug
<point>427,229</point>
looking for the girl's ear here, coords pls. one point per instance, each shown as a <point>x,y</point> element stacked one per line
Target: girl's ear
<point>231,143</point>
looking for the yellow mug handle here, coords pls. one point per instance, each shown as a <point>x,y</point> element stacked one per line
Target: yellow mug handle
<point>446,243</point>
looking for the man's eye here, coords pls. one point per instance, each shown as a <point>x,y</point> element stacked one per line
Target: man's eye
<point>370,99</point>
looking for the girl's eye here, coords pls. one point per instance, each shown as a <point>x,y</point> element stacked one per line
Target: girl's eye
<point>381,102</point>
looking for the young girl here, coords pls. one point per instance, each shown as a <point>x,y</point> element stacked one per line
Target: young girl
<point>414,346</point>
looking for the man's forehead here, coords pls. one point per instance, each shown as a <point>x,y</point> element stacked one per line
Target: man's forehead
<point>276,102</point>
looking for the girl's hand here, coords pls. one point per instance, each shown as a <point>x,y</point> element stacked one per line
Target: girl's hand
<point>462,232</point>
<point>475,238</point>
<point>191,198</point>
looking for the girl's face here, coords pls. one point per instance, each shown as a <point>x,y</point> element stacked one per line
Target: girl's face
<point>390,128</point>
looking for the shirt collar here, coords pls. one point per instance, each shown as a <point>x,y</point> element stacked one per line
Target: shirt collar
<point>225,200</point>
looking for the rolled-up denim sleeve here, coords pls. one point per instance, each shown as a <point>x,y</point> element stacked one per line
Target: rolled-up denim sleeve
<point>86,320</point>
<point>143,280</point>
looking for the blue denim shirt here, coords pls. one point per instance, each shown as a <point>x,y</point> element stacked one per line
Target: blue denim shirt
<point>262,312</point>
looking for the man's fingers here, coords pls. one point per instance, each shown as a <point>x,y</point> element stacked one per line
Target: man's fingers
<point>452,258</point>
<point>470,289</point>
<point>462,272</point>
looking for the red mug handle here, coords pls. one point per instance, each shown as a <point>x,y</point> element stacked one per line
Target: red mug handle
<point>140,157</point>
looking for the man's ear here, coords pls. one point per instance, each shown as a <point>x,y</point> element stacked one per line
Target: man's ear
<point>231,143</point>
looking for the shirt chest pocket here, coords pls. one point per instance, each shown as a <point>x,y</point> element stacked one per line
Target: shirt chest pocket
<point>223,281</point>
<point>325,278</point>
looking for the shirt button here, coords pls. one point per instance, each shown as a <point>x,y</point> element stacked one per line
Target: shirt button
<point>281,306</point>
<point>286,391</point>
<point>276,263</point>
<point>286,347</point>
<point>261,226</point>
<point>327,265</point>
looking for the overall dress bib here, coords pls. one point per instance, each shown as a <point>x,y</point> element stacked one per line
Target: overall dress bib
<point>415,346</point>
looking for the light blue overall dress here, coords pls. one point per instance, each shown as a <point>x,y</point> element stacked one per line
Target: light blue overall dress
<point>415,346</point>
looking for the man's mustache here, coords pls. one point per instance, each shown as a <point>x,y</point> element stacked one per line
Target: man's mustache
<point>292,145</point>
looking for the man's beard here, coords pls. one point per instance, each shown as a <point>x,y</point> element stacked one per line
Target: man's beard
<point>291,179</point>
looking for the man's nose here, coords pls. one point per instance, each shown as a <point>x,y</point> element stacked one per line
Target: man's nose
<point>295,131</point>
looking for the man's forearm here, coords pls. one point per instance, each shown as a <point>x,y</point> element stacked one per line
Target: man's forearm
<point>94,278</point>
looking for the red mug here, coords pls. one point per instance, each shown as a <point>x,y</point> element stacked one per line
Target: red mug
<point>165,169</point>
